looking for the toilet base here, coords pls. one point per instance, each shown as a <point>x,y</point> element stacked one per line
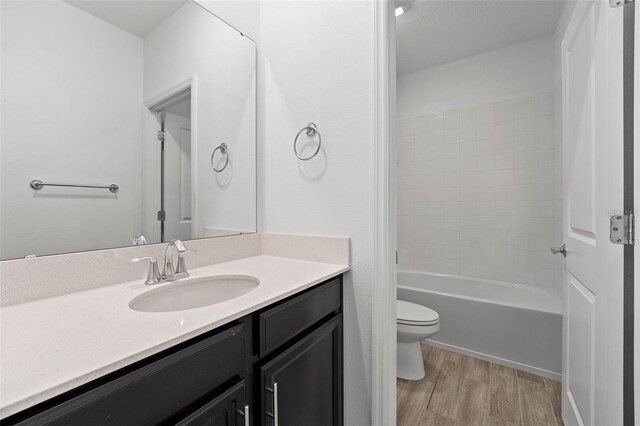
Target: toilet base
<point>410,363</point>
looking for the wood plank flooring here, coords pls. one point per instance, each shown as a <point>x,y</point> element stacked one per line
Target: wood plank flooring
<point>462,391</point>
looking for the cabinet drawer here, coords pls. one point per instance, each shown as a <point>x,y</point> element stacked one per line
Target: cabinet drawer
<point>154,393</point>
<point>282,323</point>
<point>227,409</point>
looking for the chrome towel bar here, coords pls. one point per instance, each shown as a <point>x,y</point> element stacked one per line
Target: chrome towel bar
<point>224,149</point>
<point>38,185</point>
<point>311,130</point>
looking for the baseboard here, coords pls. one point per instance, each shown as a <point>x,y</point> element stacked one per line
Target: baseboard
<point>496,360</point>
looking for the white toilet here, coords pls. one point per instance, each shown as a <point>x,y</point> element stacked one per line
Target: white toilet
<point>415,323</point>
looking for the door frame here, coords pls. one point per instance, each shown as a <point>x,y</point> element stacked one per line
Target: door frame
<point>631,81</point>
<point>635,131</point>
<point>383,343</point>
<point>150,109</point>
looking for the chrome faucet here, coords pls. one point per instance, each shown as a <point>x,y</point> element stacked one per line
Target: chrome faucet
<point>169,273</point>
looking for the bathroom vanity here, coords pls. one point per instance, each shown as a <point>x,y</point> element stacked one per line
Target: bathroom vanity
<point>266,350</point>
<point>249,371</point>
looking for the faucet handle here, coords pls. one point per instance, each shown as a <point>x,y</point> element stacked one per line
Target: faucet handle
<point>180,247</point>
<point>153,275</point>
<point>181,270</point>
<point>141,259</point>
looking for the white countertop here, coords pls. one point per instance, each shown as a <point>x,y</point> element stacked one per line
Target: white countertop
<point>50,346</point>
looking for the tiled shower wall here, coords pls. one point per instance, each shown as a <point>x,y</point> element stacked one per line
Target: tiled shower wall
<point>479,192</point>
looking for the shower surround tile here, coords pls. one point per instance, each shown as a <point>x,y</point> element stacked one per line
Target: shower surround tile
<point>480,191</point>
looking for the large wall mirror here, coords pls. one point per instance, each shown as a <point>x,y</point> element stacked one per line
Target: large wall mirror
<point>123,122</point>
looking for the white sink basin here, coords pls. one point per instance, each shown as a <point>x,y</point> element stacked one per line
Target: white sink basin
<point>194,293</point>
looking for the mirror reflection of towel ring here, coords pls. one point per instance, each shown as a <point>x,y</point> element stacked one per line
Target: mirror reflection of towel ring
<point>224,149</point>
<point>311,130</point>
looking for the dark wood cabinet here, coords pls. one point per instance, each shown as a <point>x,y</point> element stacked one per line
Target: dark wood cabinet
<point>154,391</point>
<point>283,323</point>
<point>290,351</point>
<point>229,409</point>
<point>303,385</point>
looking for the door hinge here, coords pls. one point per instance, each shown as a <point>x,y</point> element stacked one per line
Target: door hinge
<point>162,135</point>
<point>618,3</point>
<point>162,215</point>
<point>396,257</point>
<point>622,229</point>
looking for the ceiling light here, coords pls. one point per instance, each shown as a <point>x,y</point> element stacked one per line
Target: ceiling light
<point>403,9</point>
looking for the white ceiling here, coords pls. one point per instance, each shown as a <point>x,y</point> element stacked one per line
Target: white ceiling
<point>138,17</point>
<point>434,32</point>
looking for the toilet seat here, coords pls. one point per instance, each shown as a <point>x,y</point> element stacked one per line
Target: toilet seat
<point>416,315</point>
<point>415,323</point>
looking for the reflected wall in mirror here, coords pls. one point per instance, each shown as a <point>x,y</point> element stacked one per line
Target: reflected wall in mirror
<point>133,93</point>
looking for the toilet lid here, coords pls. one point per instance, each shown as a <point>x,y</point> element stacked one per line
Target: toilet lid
<point>414,314</point>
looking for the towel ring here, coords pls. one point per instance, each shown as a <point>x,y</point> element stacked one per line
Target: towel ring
<point>224,149</point>
<point>311,130</point>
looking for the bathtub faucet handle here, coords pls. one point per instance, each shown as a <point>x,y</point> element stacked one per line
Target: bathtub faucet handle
<point>560,250</point>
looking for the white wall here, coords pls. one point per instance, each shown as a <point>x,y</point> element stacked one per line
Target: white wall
<point>518,70</point>
<point>316,64</point>
<point>243,15</point>
<point>71,95</point>
<point>192,42</point>
<point>480,169</point>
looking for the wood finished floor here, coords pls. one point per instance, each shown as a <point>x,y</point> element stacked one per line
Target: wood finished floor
<point>463,391</point>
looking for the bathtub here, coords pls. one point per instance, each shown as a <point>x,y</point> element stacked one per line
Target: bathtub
<point>516,325</point>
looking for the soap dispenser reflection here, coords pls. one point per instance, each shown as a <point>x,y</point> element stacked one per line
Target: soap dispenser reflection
<point>139,240</point>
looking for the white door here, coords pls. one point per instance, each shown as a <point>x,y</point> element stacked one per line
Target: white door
<point>177,178</point>
<point>592,152</point>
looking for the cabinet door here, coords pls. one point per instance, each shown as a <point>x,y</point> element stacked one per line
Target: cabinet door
<point>303,385</point>
<point>228,409</point>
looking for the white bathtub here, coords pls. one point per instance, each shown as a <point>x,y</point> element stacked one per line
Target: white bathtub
<point>516,325</point>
